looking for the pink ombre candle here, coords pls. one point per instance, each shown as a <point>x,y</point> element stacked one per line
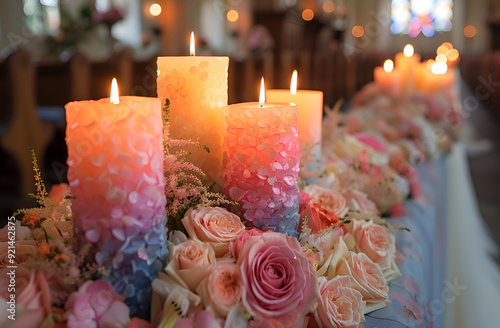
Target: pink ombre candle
<point>116,167</point>
<point>261,163</point>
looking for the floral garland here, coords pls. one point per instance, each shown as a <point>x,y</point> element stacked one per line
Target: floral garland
<point>222,274</point>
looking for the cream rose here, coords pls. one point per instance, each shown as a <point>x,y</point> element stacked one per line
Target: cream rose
<point>367,279</point>
<point>329,200</point>
<point>214,225</point>
<point>222,289</point>
<point>378,243</point>
<point>339,305</point>
<point>22,249</point>
<point>190,263</point>
<point>359,201</point>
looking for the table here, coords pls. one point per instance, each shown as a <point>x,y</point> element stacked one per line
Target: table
<point>449,278</point>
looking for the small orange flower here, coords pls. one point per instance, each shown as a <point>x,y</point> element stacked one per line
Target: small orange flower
<point>31,220</point>
<point>61,259</point>
<point>44,251</point>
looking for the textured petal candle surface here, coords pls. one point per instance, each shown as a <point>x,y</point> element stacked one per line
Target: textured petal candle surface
<point>116,177</point>
<point>261,164</point>
<point>197,90</point>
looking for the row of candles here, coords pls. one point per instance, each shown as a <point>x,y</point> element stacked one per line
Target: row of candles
<point>408,74</point>
<point>256,150</point>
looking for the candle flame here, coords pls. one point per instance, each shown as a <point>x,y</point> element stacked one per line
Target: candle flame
<point>439,68</point>
<point>262,95</point>
<point>388,65</point>
<point>192,51</point>
<point>293,83</point>
<point>408,50</point>
<point>114,97</point>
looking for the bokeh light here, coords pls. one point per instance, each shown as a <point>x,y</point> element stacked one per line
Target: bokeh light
<point>358,31</point>
<point>155,9</point>
<point>307,14</point>
<point>470,31</point>
<point>328,6</point>
<point>232,15</point>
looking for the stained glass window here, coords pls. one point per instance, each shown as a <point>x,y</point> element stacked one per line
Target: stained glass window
<point>413,17</point>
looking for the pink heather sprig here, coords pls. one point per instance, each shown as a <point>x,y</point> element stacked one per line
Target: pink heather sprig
<point>184,187</point>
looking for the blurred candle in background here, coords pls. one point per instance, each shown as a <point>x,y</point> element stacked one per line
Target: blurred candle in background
<point>310,106</point>
<point>406,63</point>
<point>388,79</point>
<point>197,89</point>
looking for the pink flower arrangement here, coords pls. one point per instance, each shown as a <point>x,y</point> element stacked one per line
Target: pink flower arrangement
<point>279,281</point>
<point>96,304</point>
<point>339,305</point>
<point>214,225</point>
<point>191,262</point>
<point>368,279</point>
<point>222,289</point>
<point>329,200</point>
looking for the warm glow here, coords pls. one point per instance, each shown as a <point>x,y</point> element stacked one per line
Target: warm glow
<point>448,45</point>
<point>470,31</point>
<point>452,54</point>
<point>293,83</point>
<point>328,6</point>
<point>192,51</point>
<point>358,31</point>
<point>408,50</point>
<point>441,58</point>
<point>232,15</point>
<point>442,50</point>
<point>262,95</point>
<point>439,68</point>
<point>429,64</point>
<point>155,9</point>
<point>114,98</point>
<point>307,14</point>
<point>388,65</point>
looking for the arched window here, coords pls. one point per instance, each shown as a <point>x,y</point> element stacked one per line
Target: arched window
<point>413,17</point>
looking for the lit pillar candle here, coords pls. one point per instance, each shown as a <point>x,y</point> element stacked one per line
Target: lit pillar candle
<point>261,163</point>
<point>310,106</point>
<point>115,171</point>
<point>197,89</point>
<point>388,79</point>
<point>406,63</point>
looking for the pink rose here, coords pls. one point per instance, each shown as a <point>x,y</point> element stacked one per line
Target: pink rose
<point>378,243</point>
<point>372,141</point>
<point>358,200</point>
<point>235,246</point>
<point>367,278</point>
<point>190,263</point>
<point>339,305</point>
<point>58,192</point>
<point>222,289</point>
<point>279,281</point>
<point>330,200</point>
<point>214,225</point>
<point>22,249</point>
<point>198,318</point>
<point>32,297</point>
<point>96,304</point>
<point>318,218</point>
